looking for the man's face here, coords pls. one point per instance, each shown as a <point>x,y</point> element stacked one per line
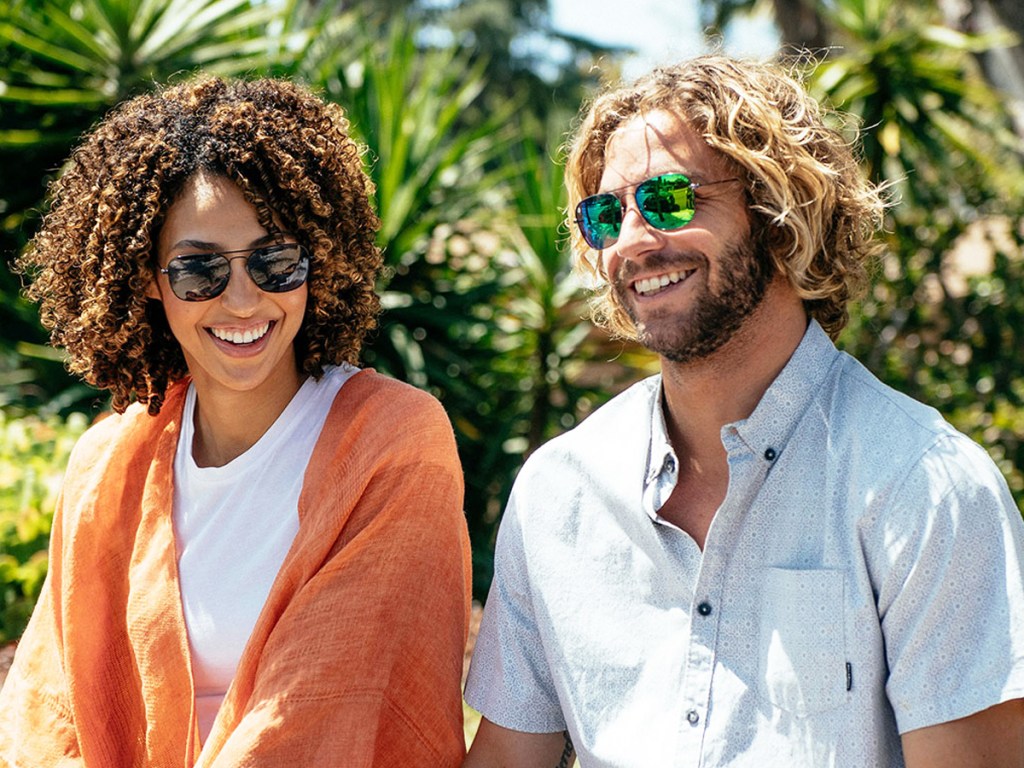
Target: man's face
<point>689,290</point>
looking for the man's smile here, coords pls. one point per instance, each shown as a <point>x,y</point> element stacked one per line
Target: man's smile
<point>648,286</point>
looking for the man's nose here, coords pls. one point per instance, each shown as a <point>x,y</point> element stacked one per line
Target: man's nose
<point>636,235</point>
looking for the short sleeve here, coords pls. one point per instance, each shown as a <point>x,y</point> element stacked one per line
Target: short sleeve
<point>510,680</point>
<point>951,588</point>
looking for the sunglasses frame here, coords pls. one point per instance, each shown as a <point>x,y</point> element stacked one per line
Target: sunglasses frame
<point>618,195</point>
<point>248,254</point>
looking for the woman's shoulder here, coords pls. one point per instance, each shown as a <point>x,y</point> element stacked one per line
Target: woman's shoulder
<point>112,434</point>
<point>376,409</point>
<point>393,399</point>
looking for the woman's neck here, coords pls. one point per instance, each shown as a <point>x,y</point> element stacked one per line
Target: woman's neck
<point>228,423</point>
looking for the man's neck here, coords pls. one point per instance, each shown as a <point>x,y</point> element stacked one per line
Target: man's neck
<point>704,396</point>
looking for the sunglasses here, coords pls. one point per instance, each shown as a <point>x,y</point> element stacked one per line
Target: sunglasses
<point>666,202</point>
<point>204,276</point>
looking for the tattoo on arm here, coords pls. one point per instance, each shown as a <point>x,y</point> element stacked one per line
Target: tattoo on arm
<point>567,753</point>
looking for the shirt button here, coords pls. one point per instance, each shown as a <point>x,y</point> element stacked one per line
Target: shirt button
<point>670,464</point>
<point>770,454</point>
<point>704,609</point>
<point>692,717</point>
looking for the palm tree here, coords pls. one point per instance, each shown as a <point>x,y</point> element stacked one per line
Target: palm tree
<point>63,63</point>
<point>930,119</point>
<point>449,181</point>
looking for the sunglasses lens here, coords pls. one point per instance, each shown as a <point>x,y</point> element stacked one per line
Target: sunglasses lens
<point>600,220</point>
<point>204,276</point>
<point>278,268</point>
<point>666,201</point>
<point>198,278</point>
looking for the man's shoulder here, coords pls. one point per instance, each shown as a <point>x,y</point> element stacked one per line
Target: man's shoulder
<point>601,455</point>
<point>861,410</point>
<point>847,400</point>
<point>625,417</point>
<point>874,405</point>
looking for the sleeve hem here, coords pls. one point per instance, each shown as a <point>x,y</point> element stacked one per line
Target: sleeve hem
<point>507,717</point>
<point>978,699</point>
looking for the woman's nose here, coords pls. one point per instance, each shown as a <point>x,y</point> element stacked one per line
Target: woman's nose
<point>242,294</point>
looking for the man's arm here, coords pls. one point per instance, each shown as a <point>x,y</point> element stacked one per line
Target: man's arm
<point>992,738</point>
<point>497,747</point>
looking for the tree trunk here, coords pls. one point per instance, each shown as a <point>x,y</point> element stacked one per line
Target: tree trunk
<point>803,29</point>
<point>1003,67</point>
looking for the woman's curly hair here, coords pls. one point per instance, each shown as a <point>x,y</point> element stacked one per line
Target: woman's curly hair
<point>809,201</point>
<point>94,256</point>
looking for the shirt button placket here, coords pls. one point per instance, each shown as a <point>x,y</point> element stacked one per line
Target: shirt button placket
<point>699,668</point>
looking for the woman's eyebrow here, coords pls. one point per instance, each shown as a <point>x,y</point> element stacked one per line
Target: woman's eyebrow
<point>198,244</point>
<point>208,246</point>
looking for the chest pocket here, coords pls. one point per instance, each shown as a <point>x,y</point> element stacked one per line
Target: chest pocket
<point>802,648</point>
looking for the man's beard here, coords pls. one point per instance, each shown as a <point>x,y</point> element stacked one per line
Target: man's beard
<point>715,317</point>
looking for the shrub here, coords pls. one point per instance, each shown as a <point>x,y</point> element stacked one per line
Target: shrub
<point>33,454</point>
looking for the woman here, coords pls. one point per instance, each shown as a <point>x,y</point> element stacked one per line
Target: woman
<point>261,560</point>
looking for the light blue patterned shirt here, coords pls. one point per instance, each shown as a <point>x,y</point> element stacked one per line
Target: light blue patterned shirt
<point>862,578</point>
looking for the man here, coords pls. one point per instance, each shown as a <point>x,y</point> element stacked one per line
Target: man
<point>762,556</point>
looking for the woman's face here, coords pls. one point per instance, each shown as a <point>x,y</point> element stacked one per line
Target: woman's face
<point>243,339</point>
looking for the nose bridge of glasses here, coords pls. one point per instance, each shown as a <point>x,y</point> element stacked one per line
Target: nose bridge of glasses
<point>630,203</point>
<point>240,285</point>
<point>247,268</point>
<point>243,257</point>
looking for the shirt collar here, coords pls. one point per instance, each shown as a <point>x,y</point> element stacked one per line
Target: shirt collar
<point>661,457</point>
<point>768,428</point>
<point>780,409</point>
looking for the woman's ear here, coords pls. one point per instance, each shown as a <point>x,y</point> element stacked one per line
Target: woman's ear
<point>153,290</point>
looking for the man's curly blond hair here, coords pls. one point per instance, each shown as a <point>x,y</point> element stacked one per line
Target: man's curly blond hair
<point>290,154</point>
<point>815,211</point>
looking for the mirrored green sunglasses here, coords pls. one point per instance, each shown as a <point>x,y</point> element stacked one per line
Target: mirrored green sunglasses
<point>666,202</point>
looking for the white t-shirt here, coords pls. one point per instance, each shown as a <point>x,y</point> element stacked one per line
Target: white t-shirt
<point>233,526</point>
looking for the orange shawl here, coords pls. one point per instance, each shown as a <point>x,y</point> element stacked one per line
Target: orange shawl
<point>356,657</point>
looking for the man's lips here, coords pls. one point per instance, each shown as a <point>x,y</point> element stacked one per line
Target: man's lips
<point>648,286</point>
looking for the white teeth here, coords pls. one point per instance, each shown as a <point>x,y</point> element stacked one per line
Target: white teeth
<point>241,337</point>
<point>654,284</point>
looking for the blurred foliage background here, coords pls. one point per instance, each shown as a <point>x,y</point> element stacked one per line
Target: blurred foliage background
<point>464,115</point>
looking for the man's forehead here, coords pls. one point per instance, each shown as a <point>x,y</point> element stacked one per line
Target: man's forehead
<point>656,142</point>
